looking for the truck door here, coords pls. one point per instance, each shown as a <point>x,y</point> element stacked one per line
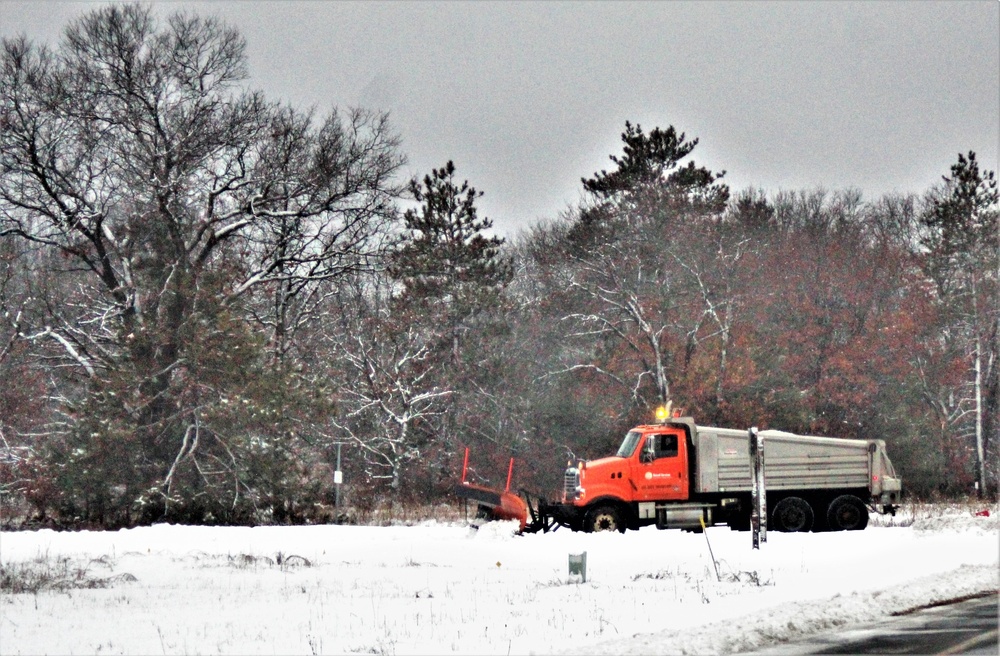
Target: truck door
<point>661,470</point>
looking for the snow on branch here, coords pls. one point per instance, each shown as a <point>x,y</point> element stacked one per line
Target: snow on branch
<point>81,359</point>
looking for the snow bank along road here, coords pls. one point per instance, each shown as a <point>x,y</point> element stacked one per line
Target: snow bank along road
<point>440,588</point>
<point>962,627</point>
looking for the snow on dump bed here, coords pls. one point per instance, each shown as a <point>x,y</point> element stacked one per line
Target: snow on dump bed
<point>440,588</point>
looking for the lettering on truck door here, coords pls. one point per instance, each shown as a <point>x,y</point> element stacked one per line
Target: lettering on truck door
<point>660,472</point>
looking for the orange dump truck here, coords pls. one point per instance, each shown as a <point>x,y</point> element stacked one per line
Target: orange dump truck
<point>675,474</point>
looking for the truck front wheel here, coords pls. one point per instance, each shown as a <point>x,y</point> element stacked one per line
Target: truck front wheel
<point>793,515</point>
<point>847,513</point>
<point>604,518</point>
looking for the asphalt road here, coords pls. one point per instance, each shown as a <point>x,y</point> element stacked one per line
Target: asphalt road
<point>964,627</point>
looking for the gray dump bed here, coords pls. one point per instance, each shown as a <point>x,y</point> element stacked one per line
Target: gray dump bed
<point>791,461</point>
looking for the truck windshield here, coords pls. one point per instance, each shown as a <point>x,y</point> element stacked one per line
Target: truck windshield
<point>628,444</point>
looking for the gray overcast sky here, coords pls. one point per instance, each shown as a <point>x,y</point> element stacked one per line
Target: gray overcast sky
<point>528,97</point>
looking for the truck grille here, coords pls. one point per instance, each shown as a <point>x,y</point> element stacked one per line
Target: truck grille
<point>571,481</point>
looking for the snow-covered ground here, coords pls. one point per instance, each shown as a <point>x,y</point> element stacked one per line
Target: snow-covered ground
<point>440,588</point>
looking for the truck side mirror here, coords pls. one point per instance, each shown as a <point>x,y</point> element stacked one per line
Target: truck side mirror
<point>647,455</point>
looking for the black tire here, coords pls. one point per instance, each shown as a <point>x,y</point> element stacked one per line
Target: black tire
<point>793,515</point>
<point>605,517</point>
<point>847,513</point>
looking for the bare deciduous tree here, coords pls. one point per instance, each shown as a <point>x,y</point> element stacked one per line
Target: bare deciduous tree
<point>183,200</point>
<point>390,388</point>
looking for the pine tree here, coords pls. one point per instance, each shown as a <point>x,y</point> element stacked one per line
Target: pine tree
<point>960,223</point>
<point>652,162</point>
<point>649,185</point>
<point>448,267</point>
<point>962,256</point>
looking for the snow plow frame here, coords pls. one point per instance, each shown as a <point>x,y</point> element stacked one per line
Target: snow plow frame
<point>534,515</point>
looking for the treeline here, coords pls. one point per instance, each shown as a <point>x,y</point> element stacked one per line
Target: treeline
<point>207,294</point>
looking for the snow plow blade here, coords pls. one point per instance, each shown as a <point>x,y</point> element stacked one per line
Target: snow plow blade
<point>495,504</point>
<point>505,505</point>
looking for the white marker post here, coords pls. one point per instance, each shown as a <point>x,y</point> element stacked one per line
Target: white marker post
<point>338,479</point>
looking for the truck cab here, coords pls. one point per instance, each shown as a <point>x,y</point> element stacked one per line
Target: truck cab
<point>652,465</point>
<point>657,464</point>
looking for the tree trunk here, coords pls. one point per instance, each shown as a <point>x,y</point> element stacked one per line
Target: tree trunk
<point>980,455</point>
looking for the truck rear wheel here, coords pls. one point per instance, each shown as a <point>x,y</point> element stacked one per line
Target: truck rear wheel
<point>793,515</point>
<point>847,513</point>
<point>605,517</point>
